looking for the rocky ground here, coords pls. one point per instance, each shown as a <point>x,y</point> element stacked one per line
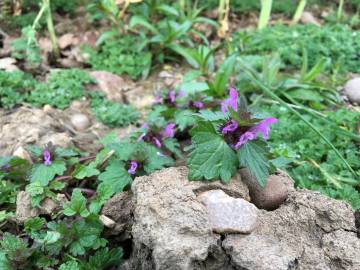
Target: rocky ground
<point>171,223</point>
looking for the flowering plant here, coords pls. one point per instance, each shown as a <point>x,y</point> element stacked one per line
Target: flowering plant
<point>225,140</point>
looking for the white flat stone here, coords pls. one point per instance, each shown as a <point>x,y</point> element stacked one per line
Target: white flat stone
<point>228,214</point>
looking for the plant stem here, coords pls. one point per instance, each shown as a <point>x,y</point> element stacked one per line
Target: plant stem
<point>299,10</point>
<point>51,30</point>
<point>264,13</point>
<point>269,93</point>
<point>340,10</point>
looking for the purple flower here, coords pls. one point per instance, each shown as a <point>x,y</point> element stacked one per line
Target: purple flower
<point>236,135</point>
<point>230,126</point>
<point>231,101</point>
<point>169,131</point>
<point>156,137</point>
<point>47,157</point>
<point>157,142</point>
<point>172,96</point>
<point>198,104</point>
<point>133,167</point>
<point>5,168</point>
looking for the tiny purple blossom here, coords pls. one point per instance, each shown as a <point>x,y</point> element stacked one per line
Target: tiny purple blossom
<point>169,131</point>
<point>198,104</point>
<point>157,142</point>
<point>172,96</point>
<point>230,126</point>
<point>263,127</point>
<point>47,157</point>
<point>231,101</point>
<point>133,167</point>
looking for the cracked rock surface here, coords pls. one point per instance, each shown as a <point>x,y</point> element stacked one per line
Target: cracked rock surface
<point>171,230</point>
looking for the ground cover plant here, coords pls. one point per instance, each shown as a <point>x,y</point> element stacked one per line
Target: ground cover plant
<point>262,99</point>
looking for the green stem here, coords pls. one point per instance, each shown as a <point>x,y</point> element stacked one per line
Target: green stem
<point>299,10</point>
<point>264,13</point>
<point>340,10</point>
<point>51,30</point>
<point>268,92</point>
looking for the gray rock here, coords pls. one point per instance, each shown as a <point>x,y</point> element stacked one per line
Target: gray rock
<point>308,18</point>
<point>30,126</point>
<point>24,210</point>
<point>352,90</point>
<point>172,230</point>
<point>227,214</point>
<point>111,84</point>
<point>80,121</point>
<point>273,194</point>
<point>170,221</point>
<point>309,231</point>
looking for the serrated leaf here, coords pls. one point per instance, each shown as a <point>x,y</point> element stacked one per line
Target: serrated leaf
<point>44,174</point>
<point>211,116</point>
<point>211,157</point>
<point>184,119</point>
<point>173,146</point>
<point>103,258</point>
<point>82,171</point>
<point>116,176</point>
<point>35,188</point>
<point>103,193</point>
<point>71,265</point>
<point>34,224</point>
<point>155,160</point>
<point>252,155</point>
<point>77,205</point>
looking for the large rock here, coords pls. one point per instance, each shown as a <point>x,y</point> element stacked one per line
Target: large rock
<point>309,231</point>
<point>30,126</point>
<point>352,90</point>
<point>171,230</point>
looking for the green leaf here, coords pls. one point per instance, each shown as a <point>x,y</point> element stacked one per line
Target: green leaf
<point>34,224</point>
<point>103,258</point>
<point>77,205</point>
<point>211,157</point>
<point>116,176</point>
<point>222,75</point>
<point>44,174</point>
<point>70,265</point>
<point>82,171</point>
<point>103,193</point>
<point>155,160</point>
<point>173,146</point>
<point>184,119</point>
<point>35,188</point>
<point>252,155</point>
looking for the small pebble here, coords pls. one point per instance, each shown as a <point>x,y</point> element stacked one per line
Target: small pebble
<point>352,90</point>
<point>80,121</point>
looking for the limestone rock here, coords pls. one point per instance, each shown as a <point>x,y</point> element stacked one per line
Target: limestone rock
<point>170,224</point>
<point>227,214</point>
<point>22,153</point>
<point>111,84</point>
<point>235,187</point>
<point>171,230</point>
<point>80,121</point>
<point>24,210</point>
<point>309,231</point>
<point>273,194</point>
<point>30,126</point>
<point>308,18</point>
<point>352,90</point>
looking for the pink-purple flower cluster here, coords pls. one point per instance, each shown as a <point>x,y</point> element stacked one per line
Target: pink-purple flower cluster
<point>237,135</point>
<point>133,166</point>
<point>154,138</point>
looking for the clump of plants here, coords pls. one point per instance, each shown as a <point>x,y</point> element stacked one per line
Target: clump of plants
<point>14,88</point>
<point>111,113</point>
<point>314,165</point>
<point>61,88</point>
<point>122,55</point>
<point>338,44</point>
